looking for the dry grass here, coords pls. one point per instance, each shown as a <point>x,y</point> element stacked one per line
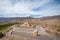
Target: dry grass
<point>53,24</point>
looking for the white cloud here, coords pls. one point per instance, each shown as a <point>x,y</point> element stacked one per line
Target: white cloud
<point>21,7</point>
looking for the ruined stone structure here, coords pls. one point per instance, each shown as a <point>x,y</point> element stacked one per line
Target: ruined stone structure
<point>27,24</point>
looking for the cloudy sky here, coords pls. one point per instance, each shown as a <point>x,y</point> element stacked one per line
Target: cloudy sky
<point>25,8</point>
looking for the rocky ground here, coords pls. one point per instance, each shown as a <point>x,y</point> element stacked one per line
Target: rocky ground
<point>26,34</point>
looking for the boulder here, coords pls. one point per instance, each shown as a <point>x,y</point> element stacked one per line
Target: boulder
<point>35,33</point>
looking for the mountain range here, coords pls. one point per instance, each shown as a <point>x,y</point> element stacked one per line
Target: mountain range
<point>5,19</point>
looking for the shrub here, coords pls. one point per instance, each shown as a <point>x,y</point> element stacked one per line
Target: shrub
<point>5,26</point>
<point>1,34</point>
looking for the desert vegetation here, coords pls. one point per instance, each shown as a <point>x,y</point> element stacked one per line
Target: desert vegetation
<point>6,25</point>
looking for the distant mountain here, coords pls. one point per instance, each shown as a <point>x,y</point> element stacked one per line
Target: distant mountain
<point>50,17</point>
<point>2,19</point>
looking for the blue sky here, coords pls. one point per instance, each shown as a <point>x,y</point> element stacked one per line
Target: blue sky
<point>26,8</point>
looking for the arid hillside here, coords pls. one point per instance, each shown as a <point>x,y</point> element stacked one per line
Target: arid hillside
<point>51,22</point>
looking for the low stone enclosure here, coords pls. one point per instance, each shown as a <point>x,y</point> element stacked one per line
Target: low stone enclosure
<point>34,31</point>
